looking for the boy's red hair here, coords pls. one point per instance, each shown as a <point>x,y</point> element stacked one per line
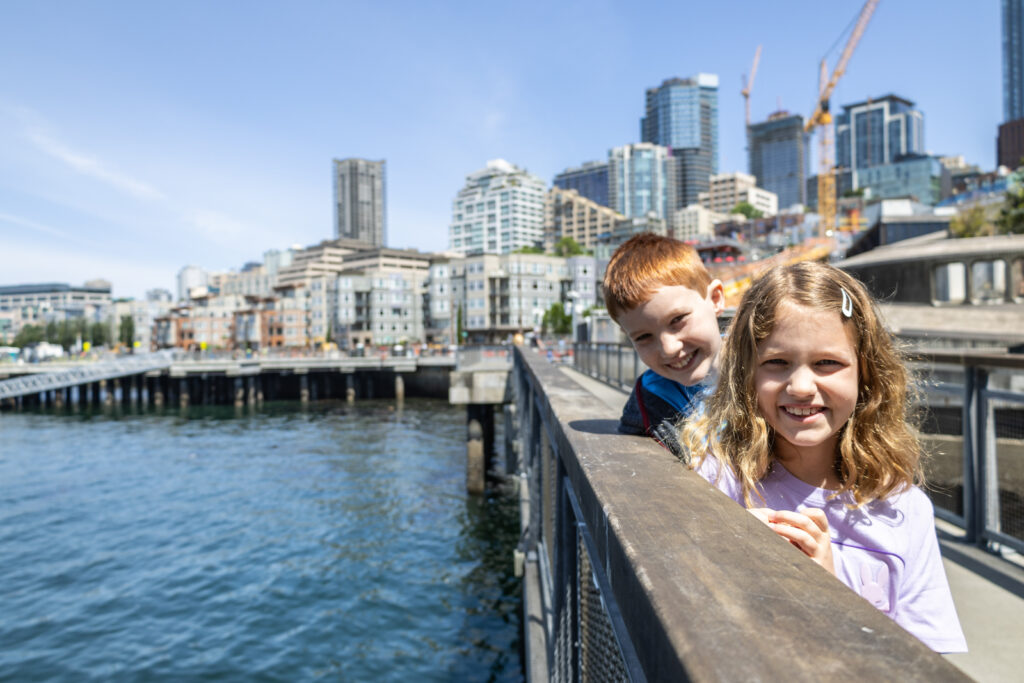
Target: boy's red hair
<point>645,262</point>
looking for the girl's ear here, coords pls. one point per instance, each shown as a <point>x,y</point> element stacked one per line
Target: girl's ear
<point>716,294</point>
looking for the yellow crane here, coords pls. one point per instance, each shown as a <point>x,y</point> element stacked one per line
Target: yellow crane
<point>822,120</point>
<point>749,83</point>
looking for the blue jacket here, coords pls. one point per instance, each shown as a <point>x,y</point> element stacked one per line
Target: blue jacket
<point>655,406</point>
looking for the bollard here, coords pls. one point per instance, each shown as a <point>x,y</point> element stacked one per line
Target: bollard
<point>475,465</point>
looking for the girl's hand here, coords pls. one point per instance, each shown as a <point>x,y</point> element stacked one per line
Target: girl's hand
<point>807,530</point>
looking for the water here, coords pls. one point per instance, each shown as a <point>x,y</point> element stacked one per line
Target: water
<point>335,543</point>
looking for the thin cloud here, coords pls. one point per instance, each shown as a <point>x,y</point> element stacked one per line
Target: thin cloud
<point>91,167</point>
<point>32,225</point>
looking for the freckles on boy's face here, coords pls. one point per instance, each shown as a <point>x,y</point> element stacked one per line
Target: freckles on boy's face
<point>675,332</point>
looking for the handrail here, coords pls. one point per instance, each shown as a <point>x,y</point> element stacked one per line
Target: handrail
<point>652,574</point>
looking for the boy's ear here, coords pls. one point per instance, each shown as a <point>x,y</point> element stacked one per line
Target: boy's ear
<point>716,293</point>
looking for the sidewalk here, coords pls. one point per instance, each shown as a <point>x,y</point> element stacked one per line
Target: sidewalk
<point>988,590</point>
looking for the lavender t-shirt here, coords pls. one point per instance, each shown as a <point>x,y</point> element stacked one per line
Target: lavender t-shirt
<point>886,551</point>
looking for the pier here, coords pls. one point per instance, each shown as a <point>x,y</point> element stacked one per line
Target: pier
<point>177,378</point>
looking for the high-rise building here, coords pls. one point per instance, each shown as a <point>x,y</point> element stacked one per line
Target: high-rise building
<point>638,180</point>
<point>590,180</point>
<point>1013,60</point>
<point>500,209</point>
<point>1010,143</point>
<point>360,201</point>
<point>779,156</point>
<point>682,114</point>
<point>878,131</point>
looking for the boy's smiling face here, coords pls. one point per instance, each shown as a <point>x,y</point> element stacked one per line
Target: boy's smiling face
<point>675,331</point>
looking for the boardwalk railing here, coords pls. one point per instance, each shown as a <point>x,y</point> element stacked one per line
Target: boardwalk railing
<point>637,569</point>
<point>973,430</point>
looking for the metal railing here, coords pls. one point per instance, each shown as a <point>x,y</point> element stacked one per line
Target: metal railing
<point>972,430</point>
<point>84,373</point>
<point>635,569</point>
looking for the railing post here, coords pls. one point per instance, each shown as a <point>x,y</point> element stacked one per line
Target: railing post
<point>969,429</point>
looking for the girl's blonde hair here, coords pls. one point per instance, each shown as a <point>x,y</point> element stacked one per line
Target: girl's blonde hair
<point>878,450</point>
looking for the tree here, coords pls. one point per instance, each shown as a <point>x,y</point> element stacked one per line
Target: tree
<point>29,334</point>
<point>1011,216</point>
<point>556,319</point>
<point>747,209</point>
<point>459,331</point>
<point>567,246</point>
<point>126,334</point>
<point>529,250</point>
<point>971,223</point>
<point>99,334</point>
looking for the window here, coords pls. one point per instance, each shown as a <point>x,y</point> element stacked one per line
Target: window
<point>949,281</point>
<point>988,282</point>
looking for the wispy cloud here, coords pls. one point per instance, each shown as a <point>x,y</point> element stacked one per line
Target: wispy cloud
<point>90,166</point>
<point>33,225</point>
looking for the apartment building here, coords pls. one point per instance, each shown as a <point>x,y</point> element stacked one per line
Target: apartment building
<point>569,214</point>
<point>729,189</point>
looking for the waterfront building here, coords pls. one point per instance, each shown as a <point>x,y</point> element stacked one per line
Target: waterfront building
<point>590,180</point>
<point>380,298</point>
<point>779,156</point>
<point>38,304</point>
<point>360,201</point>
<point>726,190</point>
<point>143,313</point>
<point>508,293</point>
<point>638,180</point>
<point>441,300</point>
<point>918,177</point>
<point>682,114</point>
<point>568,214</point>
<point>206,322</point>
<point>695,223</point>
<point>878,131</point>
<point>500,209</point>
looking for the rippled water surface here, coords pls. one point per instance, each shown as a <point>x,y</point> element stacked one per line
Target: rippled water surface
<point>335,543</point>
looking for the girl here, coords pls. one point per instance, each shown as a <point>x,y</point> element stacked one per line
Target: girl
<point>810,417</point>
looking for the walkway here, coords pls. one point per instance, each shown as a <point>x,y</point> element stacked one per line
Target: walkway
<point>988,590</point>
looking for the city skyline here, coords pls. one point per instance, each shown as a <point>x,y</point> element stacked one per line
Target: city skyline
<point>138,140</point>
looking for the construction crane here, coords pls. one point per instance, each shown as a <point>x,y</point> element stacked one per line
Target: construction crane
<point>749,83</point>
<point>822,120</point>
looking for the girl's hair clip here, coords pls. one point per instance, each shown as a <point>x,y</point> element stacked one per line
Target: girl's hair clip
<point>847,304</point>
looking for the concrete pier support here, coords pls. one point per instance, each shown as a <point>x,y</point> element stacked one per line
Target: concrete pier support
<point>158,392</point>
<point>259,390</point>
<point>304,388</point>
<point>399,387</point>
<point>250,397</point>
<point>183,392</point>
<point>59,398</point>
<point>476,466</point>
<point>106,393</point>
<point>350,388</point>
<point>239,393</point>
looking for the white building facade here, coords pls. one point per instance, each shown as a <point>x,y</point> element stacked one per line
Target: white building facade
<point>500,209</point>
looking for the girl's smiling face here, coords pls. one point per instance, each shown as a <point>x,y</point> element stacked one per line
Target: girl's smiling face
<point>806,382</point>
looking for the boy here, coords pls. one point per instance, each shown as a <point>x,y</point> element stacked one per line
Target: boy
<point>661,295</point>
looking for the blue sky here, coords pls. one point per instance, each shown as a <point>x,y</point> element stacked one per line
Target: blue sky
<point>139,137</point>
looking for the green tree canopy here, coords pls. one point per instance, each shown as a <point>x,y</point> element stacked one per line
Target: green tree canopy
<point>29,334</point>
<point>747,209</point>
<point>567,246</point>
<point>126,333</point>
<point>556,319</point>
<point>529,250</point>
<point>972,222</point>
<point>1011,217</point>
